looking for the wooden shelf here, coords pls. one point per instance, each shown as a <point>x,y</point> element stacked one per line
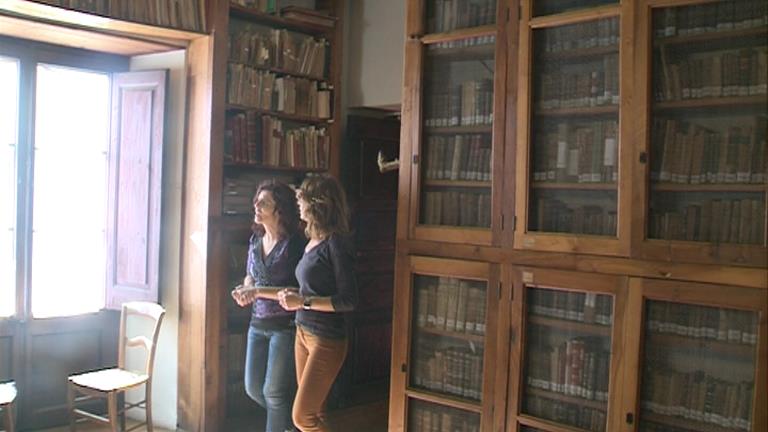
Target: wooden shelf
<point>580,53</point>
<point>686,342</point>
<point>732,187</point>
<point>712,36</point>
<point>444,399</point>
<point>452,334</point>
<point>445,130</point>
<point>581,111</point>
<point>684,423</point>
<point>458,34</point>
<point>576,186</point>
<point>278,71</point>
<point>277,21</point>
<point>474,52</point>
<point>258,166</point>
<point>573,400</point>
<point>567,325</point>
<point>458,183</point>
<point>280,115</point>
<point>727,103</point>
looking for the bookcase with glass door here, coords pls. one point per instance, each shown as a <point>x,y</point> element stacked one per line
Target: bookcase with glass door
<point>706,100</point>
<point>456,62</point>
<point>572,176</point>
<point>442,374</point>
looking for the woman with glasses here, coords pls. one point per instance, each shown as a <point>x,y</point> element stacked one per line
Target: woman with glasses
<point>273,253</point>
<point>327,289</point>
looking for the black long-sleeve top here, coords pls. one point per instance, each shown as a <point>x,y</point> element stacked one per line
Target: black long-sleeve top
<point>328,270</point>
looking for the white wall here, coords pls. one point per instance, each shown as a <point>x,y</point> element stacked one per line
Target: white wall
<point>164,384</point>
<point>373,53</point>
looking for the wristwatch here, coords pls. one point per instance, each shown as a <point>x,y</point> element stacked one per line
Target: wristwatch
<point>307,305</point>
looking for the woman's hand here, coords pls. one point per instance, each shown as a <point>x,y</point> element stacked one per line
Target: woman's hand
<point>245,294</point>
<point>290,299</point>
<point>237,295</point>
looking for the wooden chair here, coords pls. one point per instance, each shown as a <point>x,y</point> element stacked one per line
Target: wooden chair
<point>7,402</point>
<point>111,384</point>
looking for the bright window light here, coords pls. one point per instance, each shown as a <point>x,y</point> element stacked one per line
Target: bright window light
<point>9,118</point>
<point>70,192</point>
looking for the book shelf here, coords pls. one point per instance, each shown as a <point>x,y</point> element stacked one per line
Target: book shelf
<point>279,113</point>
<point>616,139</point>
<point>708,110</point>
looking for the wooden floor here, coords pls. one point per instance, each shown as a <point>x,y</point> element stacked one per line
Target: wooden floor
<point>371,417</point>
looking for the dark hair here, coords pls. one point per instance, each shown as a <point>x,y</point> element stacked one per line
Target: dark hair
<point>285,206</point>
<point>327,209</point>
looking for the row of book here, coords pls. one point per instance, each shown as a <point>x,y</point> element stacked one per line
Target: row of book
<point>458,157</point>
<point>451,304</point>
<point>710,17</point>
<point>254,88</point>
<point>577,152</point>
<point>698,396</point>
<point>237,199</point>
<point>446,15</point>
<point>555,215</point>
<point>453,370</point>
<point>454,208</point>
<point>648,426</point>
<point>712,220</point>
<point>737,72</point>
<point>571,305</point>
<point>600,33</point>
<point>693,154</point>
<point>579,86</point>
<point>257,139</point>
<point>467,104</point>
<point>577,367</point>
<point>566,413</point>
<point>423,417</point>
<point>288,51</point>
<point>184,14</point>
<point>702,322</point>
<point>487,40</point>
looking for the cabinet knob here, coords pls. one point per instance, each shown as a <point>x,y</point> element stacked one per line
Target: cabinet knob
<point>403,368</point>
<point>630,418</point>
<point>643,157</point>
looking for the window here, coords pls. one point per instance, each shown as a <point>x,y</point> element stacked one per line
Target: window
<point>9,82</point>
<point>81,195</point>
<point>70,191</point>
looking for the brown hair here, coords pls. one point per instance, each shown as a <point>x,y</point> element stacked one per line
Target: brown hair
<point>326,209</point>
<point>285,206</point>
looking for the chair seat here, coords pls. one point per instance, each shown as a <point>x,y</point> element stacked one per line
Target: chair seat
<point>7,393</point>
<point>109,379</point>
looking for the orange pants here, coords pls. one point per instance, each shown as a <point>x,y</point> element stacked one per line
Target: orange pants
<point>318,361</point>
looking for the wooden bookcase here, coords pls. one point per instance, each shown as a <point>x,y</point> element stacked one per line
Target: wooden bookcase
<point>277,111</point>
<point>603,129</point>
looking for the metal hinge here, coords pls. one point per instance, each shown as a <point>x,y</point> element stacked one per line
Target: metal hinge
<point>403,368</point>
<point>502,221</point>
<point>415,159</point>
<point>499,291</point>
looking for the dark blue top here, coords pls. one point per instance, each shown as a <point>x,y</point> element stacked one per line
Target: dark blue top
<point>328,270</point>
<point>276,269</point>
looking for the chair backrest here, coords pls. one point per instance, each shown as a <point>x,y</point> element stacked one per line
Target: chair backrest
<point>149,311</point>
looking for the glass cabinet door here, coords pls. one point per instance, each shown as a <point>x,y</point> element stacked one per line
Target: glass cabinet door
<point>707,141</point>
<point>456,145</point>
<point>567,357</point>
<point>447,342</point>
<point>698,368</point>
<point>427,417</point>
<point>569,143</point>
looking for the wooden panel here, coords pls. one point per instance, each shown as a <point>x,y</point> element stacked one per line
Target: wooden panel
<point>135,182</point>
<point>371,357</point>
<point>6,358</point>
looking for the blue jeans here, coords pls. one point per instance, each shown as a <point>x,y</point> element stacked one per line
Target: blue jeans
<point>270,374</point>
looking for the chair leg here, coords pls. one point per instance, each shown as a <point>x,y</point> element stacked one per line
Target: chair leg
<point>10,423</point>
<point>148,406</point>
<point>71,407</point>
<point>112,412</point>
<point>123,414</point>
